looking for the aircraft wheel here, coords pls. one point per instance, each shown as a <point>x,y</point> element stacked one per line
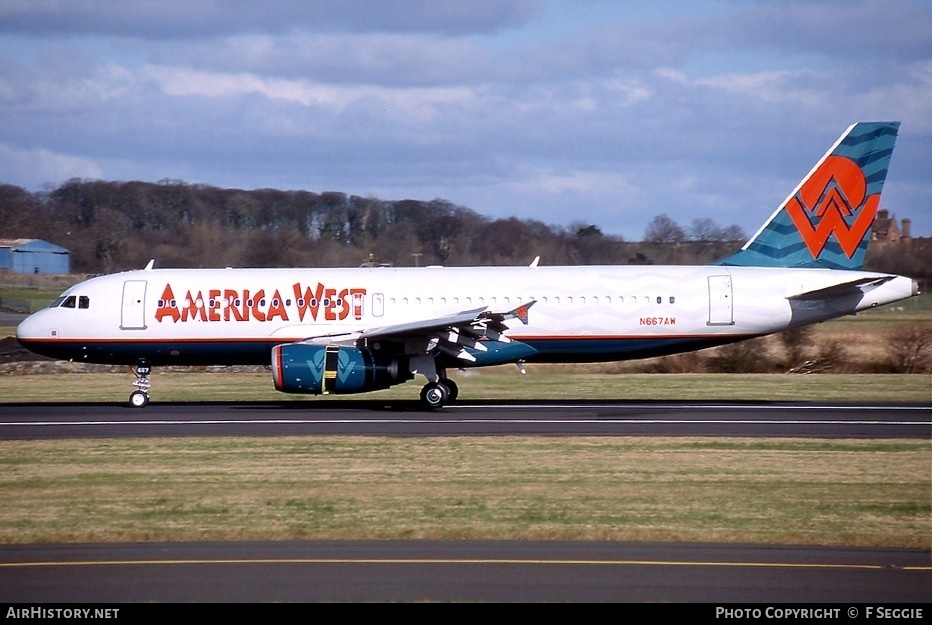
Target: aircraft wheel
<point>138,399</point>
<point>434,395</point>
<point>453,390</point>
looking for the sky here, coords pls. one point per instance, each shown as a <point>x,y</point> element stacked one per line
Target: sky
<point>565,112</point>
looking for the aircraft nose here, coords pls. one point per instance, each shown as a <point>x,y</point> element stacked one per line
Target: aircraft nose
<point>31,328</point>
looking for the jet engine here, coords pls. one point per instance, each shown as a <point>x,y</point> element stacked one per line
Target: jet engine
<point>339,369</point>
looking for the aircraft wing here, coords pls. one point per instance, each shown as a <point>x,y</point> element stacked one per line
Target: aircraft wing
<point>475,329</point>
<point>460,319</point>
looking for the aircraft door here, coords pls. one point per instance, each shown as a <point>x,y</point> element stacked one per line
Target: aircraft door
<point>134,305</point>
<point>721,308</point>
<point>378,304</point>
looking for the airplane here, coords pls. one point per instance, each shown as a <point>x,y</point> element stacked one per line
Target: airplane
<point>354,330</point>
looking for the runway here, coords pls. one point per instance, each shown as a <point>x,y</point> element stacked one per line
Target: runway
<point>465,571</point>
<point>403,418</point>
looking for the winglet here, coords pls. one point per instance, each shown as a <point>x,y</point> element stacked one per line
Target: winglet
<point>520,313</point>
<point>826,221</point>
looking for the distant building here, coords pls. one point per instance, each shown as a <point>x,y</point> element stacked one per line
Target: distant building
<point>33,256</point>
<point>886,229</point>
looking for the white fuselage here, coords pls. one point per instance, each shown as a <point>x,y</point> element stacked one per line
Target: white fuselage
<point>585,313</point>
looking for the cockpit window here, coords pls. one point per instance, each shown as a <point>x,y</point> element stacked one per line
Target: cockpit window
<point>71,301</point>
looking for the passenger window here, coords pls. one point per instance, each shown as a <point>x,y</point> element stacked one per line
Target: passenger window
<point>84,301</point>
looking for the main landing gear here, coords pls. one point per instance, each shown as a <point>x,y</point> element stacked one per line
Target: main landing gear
<point>437,394</point>
<point>439,390</point>
<point>140,397</point>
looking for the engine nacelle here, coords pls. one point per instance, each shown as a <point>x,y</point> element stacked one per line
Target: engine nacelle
<point>322,369</point>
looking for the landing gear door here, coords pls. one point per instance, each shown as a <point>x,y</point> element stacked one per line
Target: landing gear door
<point>134,305</point>
<point>721,307</point>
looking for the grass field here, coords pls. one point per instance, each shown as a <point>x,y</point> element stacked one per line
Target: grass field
<point>542,382</point>
<point>842,492</point>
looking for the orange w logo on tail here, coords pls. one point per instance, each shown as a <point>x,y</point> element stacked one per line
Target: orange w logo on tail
<point>835,191</point>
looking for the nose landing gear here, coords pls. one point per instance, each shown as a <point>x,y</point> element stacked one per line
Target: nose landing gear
<point>140,397</point>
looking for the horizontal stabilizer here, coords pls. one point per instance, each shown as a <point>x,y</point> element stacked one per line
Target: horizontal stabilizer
<point>854,287</point>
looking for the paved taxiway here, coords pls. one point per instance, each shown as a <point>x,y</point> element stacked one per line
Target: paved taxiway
<point>8,318</point>
<point>462,571</point>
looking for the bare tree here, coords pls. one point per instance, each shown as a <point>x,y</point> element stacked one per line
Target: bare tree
<point>704,229</point>
<point>663,229</point>
<point>909,349</point>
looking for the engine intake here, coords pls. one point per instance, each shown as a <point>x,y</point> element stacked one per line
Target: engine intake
<point>339,369</point>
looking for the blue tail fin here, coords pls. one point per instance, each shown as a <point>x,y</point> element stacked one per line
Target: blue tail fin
<point>826,221</point>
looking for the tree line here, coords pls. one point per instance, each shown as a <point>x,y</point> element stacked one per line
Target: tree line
<point>116,226</point>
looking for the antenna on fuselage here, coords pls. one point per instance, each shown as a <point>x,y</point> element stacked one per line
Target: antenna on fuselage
<point>150,265</point>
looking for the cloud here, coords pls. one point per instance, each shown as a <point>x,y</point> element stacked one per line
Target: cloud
<point>181,19</point>
<point>524,109</point>
<point>846,31</point>
<point>38,165</point>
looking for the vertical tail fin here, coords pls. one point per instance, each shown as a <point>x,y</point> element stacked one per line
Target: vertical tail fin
<point>826,221</point>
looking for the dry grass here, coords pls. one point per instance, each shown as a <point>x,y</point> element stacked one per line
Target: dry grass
<point>591,488</point>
